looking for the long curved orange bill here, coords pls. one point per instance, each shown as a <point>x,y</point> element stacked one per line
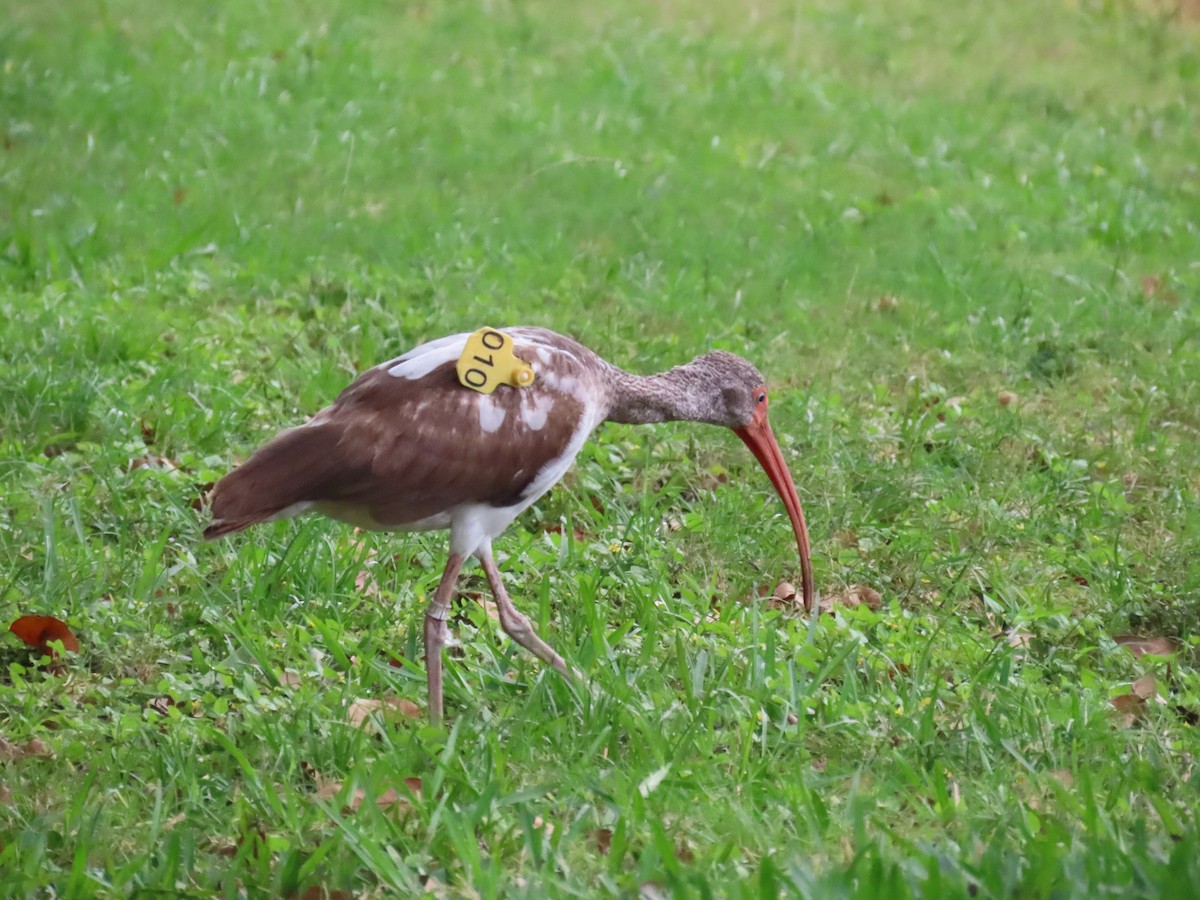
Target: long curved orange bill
<point>761,441</point>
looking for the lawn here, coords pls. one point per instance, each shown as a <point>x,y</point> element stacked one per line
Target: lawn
<point>961,240</point>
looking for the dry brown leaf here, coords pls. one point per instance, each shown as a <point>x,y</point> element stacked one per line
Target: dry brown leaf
<point>32,748</point>
<point>851,597</point>
<point>161,704</point>
<point>320,892</point>
<point>1145,687</point>
<point>1129,707</point>
<point>1006,398</point>
<point>784,596</point>
<point>153,461</point>
<point>359,712</point>
<point>602,840</point>
<point>683,851</point>
<point>1063,777</point>
<point>365,584</point>
<point>887,303</point>
<point>391,799</point>
<point>577,533</point>
<point>1141,646</point>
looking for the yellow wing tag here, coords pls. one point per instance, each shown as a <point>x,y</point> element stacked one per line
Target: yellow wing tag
<point>488,362</point>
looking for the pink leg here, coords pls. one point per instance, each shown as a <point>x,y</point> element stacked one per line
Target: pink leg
<point>435,634</point>
<point>516,625</point>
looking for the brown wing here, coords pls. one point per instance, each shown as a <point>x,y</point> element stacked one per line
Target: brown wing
<point>397,451</point>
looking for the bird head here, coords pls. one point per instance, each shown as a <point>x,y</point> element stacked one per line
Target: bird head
<point>740,403</point>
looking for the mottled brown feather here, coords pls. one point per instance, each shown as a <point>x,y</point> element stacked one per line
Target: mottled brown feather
<point>396,451</point>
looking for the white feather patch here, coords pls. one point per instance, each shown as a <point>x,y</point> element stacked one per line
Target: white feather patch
<point>420,361</point>
<point>536,411</point>
<point>491,414</point>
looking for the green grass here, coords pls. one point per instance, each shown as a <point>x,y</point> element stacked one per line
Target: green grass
<point>212,217</point>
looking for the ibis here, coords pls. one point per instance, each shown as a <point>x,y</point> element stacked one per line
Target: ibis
<point>465,432</point>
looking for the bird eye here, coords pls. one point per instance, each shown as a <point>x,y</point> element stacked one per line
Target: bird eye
<point>762,397</point>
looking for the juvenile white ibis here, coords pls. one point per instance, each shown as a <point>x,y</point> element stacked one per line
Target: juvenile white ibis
<point>466,432</point>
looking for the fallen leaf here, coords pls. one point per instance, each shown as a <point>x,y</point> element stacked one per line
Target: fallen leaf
<point>1063,777</point>
<point>1130,708</point>
<point>577,533</point>
<point>887,303</point>
<point>853,596</point>
<point>1019,639</point>
<point>784,596</point>
<point>1145,687</point>
<point>32,748</point>
<point>203,493</point>
<point>152,461</point>
<point>602,839</point>
<point>257,839</point>
<point>365,584</point>
<point>161,704</point>
<point>359,712</point>
<point>1006,398</point>
<point>389,799</point>
<point>288,678</point>
<point>39,631</point>
<point>320,892</point>
<point>1142,646</point>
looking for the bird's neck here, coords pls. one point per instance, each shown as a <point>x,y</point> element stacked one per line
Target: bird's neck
<point>646,399</point>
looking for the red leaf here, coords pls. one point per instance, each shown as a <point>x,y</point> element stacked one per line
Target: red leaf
<point>39,631</point>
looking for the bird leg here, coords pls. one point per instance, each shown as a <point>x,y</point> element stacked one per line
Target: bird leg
<point>435,634</point>
<point>515,624</point>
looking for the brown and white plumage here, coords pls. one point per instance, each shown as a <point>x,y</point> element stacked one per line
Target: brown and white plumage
<point>407,447</point>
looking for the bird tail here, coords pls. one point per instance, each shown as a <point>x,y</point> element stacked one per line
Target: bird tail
<point>278,481</point>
